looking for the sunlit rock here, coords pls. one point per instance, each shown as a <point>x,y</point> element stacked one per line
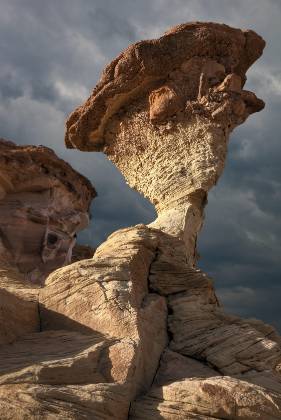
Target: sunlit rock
<point>43,204</point>
<point>136,330</point>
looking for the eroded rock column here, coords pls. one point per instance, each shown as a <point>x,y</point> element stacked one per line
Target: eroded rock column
<point>137,331</point>
<point>163,112</point>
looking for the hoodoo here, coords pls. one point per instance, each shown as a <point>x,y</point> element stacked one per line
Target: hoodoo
<point>163,112</point>
<point>137,331</point>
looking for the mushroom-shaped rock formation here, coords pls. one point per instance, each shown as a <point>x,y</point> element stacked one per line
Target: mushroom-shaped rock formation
<point>140,333</point>
<point>43,203</point>
<point>163,111</point>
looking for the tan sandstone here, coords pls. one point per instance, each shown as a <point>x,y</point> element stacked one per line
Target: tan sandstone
<point>137,331</point>
<point>44,202</point>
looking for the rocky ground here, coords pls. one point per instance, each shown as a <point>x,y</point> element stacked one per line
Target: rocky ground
<point>133,329</point>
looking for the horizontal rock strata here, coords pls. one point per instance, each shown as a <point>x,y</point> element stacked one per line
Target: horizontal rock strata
<point>169,68</point>
<point>18,305</point>
<point>136,330</point>
<point>163,111</point>
<point>43,204</point>
<point>110,294</point>
<point>104,331</point>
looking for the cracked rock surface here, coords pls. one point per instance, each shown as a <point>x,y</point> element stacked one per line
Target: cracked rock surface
<point>43,204</point>
<point>136,330</point>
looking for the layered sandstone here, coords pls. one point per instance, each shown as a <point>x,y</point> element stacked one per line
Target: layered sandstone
<point>136,331</point>
<point>43,204</point>
<point>163,112</point>
<point>19,311</point>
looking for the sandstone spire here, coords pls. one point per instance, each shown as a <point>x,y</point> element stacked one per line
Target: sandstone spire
<point>137,331</point>
<point>163,112</point>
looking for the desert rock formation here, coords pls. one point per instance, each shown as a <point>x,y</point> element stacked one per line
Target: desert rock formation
<point>43,204</point>
<point>137,331</point>
<point>162,113</point>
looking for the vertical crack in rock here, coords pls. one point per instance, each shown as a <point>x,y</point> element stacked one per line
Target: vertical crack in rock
<point>162,112</point>
<point>39,318</point>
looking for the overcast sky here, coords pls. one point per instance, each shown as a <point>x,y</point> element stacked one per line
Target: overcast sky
<point>52,53</point>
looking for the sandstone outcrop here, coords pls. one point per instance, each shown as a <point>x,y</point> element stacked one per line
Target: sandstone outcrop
<point>110,294</point>
<point>82,252</point>
<point>162,113</point>
<point>43,203</point>
<point>18,305</point>
<point>136,331</point>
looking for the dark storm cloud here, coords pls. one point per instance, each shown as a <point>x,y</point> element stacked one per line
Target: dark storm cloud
<point>52,54</point>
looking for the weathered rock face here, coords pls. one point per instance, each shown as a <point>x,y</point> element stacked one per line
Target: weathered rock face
<point>175,62</point>
<point>43,203</point>
<point>82,252</point>
<point>136,331</point>
<point>163,111</point>
<point>19,310</point>
<point>110,294</point>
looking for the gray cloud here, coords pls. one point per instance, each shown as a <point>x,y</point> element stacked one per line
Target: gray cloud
<point>52,54</point>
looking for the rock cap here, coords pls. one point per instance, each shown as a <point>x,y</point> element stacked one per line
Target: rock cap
<point>142,66</point>
<point>27,168</point>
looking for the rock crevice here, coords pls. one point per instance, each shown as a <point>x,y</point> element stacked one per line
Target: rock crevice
<point>136,331</point>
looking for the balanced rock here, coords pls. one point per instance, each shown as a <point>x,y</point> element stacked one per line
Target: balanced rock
<point>136,331</point>
<point>19,309</point>
<point>163,112</point>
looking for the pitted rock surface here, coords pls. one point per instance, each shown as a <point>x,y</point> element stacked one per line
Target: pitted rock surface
<point>43,204</point>
<point>163,111</point>
<point>180,57</point>
<point>136,330</point>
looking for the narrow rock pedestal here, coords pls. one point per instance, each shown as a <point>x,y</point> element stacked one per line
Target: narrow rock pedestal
<point>137,331</point>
